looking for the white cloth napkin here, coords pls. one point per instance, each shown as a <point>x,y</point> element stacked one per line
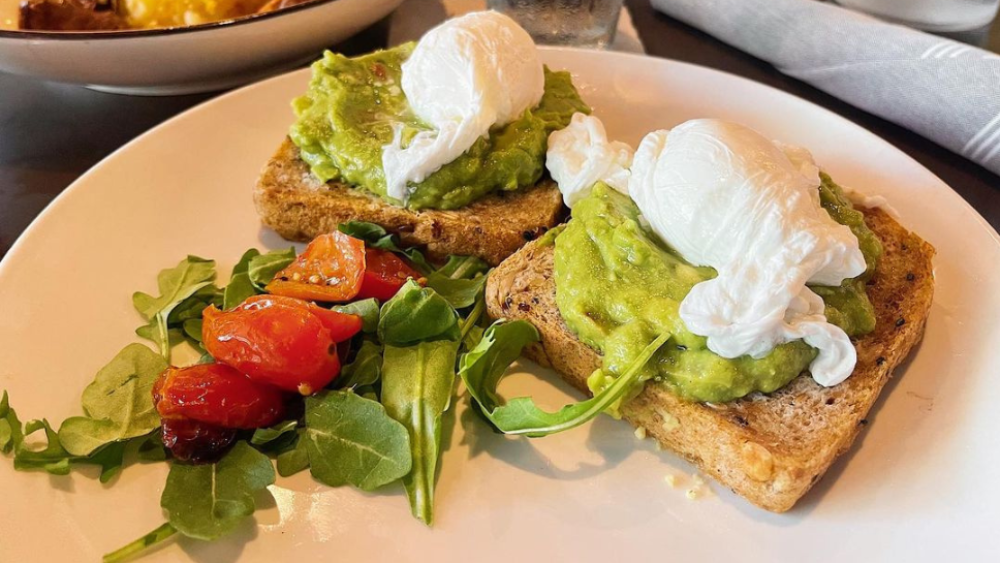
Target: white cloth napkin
<point>414,17</point>
<point>944,90</point>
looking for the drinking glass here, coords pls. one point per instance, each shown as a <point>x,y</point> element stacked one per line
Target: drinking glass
<point>932,15</point>
<point>577,23</point>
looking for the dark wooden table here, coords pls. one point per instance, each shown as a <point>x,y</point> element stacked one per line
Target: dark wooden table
<point>50,133</point>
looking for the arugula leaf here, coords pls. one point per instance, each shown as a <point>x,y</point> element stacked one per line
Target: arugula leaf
<point>192,329</point>
<point>192,307</point>
<point>366,369</point>
<point>367,309</point>
<point>125,553</point>
<point>11,435</point>
<point>243,265</point>
<point>417,385</point>
<point>110,458</point>
<point>208,501</point>
<point>176,285</point>
<point>52,458</point>
<point>460,293</point>
<point>417,314</point>
<point>351,440</point>
<point>295,459</point>
<point>118,403</point>
<point>151,447</point>
<point>460,280</point>
<point>264,436</point>
<point>484,367</point>
<point>377,237</point>
<point>240,287</point>
<point>463,267</point>
<point>262,268</point>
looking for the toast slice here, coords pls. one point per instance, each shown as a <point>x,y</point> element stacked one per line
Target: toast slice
<point>293,202</point>
<point>768,448</point>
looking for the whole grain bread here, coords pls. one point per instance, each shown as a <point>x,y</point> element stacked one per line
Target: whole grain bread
<point>770,449</point>
<point>296,204</point>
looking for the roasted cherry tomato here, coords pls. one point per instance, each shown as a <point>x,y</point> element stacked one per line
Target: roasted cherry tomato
<point>281,341</point>
<point>218,395</point>
<point>330,269</point>
<point>190,440</point>
<point>385,273</point>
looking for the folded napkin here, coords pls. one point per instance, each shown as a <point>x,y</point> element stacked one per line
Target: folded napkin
<point>946,91</point>
<point>414,17</point>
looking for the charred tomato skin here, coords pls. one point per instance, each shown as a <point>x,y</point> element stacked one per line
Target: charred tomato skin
<point>197,442</point>
<point>217,395</point>
<point>330,269</point>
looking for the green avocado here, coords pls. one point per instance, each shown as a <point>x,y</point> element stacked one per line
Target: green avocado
<point>353,105</point>
<point>618,287</point>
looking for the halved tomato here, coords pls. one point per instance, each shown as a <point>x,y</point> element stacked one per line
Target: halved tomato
<point>385,273</point>
<point>330,269</point>
<point>278,340</point>
<point>342,326</point>
<point>218,395</point>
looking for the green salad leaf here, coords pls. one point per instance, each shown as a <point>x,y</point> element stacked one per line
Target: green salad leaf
<point>240,286</point>
<point>463,267</point>
<point>295,459</point>
<point>265,436</point>
<point>151,447</point>
<point>111,459</point>
<point>11,434</point>
<point>461,280</point>
<point>376,236</point>
<point>176,285</point>
<point>351,440</point>
<point>52,458</point>
<point>118,403</point>
<point>484,367</point>
<point>367,309</point>
<point>262,268</point>
<point>366,369</point>
<point>417,314</point>
<point>417,385</point>
<point>208,501</point>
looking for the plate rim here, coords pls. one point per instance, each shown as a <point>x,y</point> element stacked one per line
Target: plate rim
<point>18,247</point>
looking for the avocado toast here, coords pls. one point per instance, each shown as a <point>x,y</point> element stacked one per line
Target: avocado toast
<point>359,150</point>
<point>296,204</point>
<point>770,449</point>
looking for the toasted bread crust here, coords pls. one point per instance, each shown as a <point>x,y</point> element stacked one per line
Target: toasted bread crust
<point>770,449</point>
<point>299,207</point>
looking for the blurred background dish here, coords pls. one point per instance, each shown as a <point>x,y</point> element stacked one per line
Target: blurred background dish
<point>570,23</point>
<point>167,47</point>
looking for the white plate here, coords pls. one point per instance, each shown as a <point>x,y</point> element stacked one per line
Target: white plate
<point>918,486</point>
<point>191,59</point>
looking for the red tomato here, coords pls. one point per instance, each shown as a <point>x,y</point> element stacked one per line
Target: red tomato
<point>330,269</point>
<point>342,326</point>
<point>385,273</point>
<point>280,341</point>
<point>217,395</point>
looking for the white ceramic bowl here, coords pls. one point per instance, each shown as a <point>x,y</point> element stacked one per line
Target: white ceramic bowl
<point>184,60</point>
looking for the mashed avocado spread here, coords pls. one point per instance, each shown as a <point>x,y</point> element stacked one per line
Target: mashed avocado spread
<point>352,106</point>
<point>618,287</point>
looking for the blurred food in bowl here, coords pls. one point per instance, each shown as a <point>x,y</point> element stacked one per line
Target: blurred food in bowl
<point>112,15</point>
